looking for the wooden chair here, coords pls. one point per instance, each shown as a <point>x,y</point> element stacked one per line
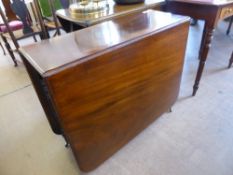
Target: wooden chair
<point>8,11</point>
<point>29,29</point>
<point>48,10</point>
<point>229,27</point>
<point>14,25</point>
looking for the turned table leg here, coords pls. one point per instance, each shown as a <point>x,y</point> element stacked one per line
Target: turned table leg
<point>205,46</point>
<point>230,61</point>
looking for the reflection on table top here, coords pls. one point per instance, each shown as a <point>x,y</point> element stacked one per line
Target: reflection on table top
<point>112,11</point>
<point>81,45</point>
<point>207,2</point>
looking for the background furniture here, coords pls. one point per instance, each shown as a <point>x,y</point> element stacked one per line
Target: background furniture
<point>13,25</point>
<point>72,22</point>
<point>211,11</point>
<point>230,61</point>
<point>229,27</point>
<point>8,11</point>
<point>48,9</point>
<point>27,28</point>
<point>106,83</point>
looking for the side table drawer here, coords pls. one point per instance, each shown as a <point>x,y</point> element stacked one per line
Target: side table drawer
<point>226,12</point>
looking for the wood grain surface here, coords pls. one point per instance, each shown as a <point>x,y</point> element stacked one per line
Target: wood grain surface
<point>121,85</point>
<point>50,56</point>
<point>110,99</point>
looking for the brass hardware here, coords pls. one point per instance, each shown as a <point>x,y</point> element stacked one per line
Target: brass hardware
<point>88,6</point>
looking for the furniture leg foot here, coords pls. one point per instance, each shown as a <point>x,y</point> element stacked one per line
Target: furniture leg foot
<point>195,88</point>
<point>198,76</point>
<point>15,63</point>
<point>55,34</point>
<point>230,61</point>
<point>34,37</point>
<point>4,52</point>
<point>67,145</point>
<point>170,109</point>
<point>229,27</point>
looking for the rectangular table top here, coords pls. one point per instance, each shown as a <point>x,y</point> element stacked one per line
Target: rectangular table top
<point>77,47</point>
<point>113,10</point>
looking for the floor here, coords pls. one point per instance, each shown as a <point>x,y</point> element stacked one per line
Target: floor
<point>195,139</point>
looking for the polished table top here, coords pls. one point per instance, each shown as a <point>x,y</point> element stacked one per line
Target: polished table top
<point>83,44</point>
<point>207,2</point>
<point>112,11</point>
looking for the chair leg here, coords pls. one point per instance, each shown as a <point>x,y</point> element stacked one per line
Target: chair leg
<point>229,27</point>
<point>4,52</point>
<point>55,34</point>
<point>34,37</point>
<point>42,35</point>
<point>230,61</point>
<point>8,47</point>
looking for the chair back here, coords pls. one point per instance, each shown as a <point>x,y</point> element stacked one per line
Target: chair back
<point>8,11</point>
<point>46,9</point>
<point>20,9</point>
<point>4,18</point>
<point>65,3</point>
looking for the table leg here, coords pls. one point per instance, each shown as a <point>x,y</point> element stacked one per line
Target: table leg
<point>230,61</point>
<point>69,26</point>
<point>202,43</point>
<point>205,46</point>
<point>229,27</point>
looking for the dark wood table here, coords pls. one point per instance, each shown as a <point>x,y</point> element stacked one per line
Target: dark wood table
<point>102,85</point>
<point>211,11</point>
<point>72,21</point>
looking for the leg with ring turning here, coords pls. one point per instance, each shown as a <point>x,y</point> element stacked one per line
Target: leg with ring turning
<point>205,46</point>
